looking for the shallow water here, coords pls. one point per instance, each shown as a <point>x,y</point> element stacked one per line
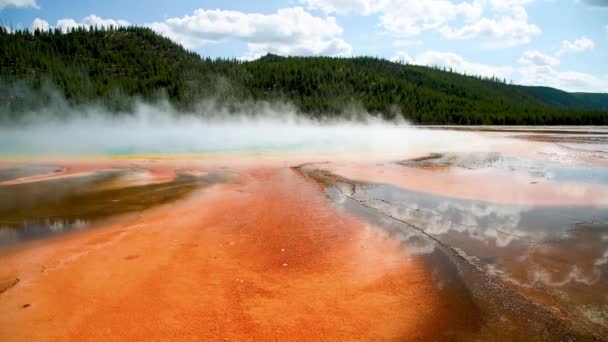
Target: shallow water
<point>553,255</point>
<point>550,249</point>
<point>35,210</point>
<point>535,168</point>
<point>9,173</point>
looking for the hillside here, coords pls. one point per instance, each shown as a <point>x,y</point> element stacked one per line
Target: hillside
<point>565,100</point>
<point>112,66</point>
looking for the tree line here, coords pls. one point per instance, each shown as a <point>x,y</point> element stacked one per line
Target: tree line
<point>112,66</point>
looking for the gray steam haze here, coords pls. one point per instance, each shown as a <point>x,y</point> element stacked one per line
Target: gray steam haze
<point>262,128</point>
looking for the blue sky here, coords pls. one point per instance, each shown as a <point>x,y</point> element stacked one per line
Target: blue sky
<point>558,43</point>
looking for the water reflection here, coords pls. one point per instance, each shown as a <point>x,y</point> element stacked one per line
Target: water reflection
<point>557,254</point>
<point>540,169</point>
<point>494,234</point>
<point>31,231</point>
<point>8,173</point>
<point>38,209</point>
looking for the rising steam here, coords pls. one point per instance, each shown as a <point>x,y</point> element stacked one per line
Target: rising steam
<point>160,129</point>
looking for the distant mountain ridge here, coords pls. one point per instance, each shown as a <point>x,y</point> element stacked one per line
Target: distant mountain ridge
<point>112,66</point>
<point>565,100</point>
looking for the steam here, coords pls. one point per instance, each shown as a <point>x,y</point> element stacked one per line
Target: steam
<point>257,127</point>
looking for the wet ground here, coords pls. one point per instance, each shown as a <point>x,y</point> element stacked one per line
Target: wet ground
<point>34,210</point>
<point>16,172</point>
<point>547,263</point>
<point>506,240</point>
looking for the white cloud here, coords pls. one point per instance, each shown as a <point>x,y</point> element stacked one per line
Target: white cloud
<point>40,24</point>
<point>289,31</point>
<point>508,30</point>
<point>534,57</point>
<point>364,7</point>
<point>539,69</point>
<point>578,45</point>
<point>455,62</point>
<point>68,23</point>
<point>547,75</point>
<point>513,6</point>
<point>91,20</point>
<point>409,17</point>
<point>402,57</point>
<point>503,21</point>
<point>18,3</point>
<point>535,68</point>
<point>508,23</point>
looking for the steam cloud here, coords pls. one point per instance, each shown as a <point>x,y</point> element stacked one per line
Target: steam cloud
<point>160,129</point>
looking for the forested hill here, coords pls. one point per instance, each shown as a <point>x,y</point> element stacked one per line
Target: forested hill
<point>112,66</point>
<point>562,99</point>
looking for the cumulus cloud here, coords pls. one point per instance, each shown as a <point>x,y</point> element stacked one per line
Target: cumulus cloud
<point>540,69</point>
<point>409,18</point>
<point>507,22</point>
<point>455,62</point>
<point>534,57</point>
<point>535,68</point>
<point>402,57</point>
<point>508,30</point>
<point>578,45</point>
<point>18,3</point>
<point>289,31</point>
<point>91,20</point>
<point>364,7</point>
<point>68,23</point>
<point>547,75</point>
<point>40,24</point>
<point>504,21</point>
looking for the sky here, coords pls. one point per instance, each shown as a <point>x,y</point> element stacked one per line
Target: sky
<point>556,43</point>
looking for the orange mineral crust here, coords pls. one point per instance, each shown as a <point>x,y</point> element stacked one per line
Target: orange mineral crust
<point>263,260</point>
